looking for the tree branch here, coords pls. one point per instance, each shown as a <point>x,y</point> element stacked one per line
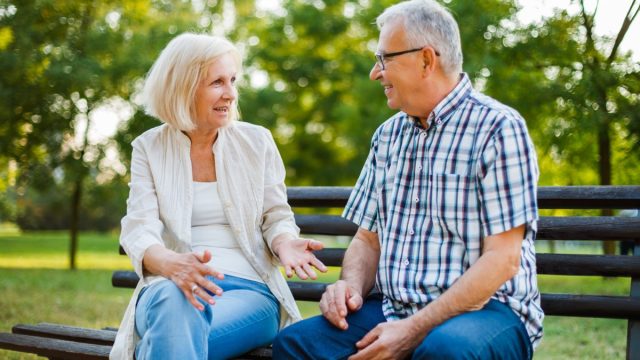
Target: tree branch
<point>588,25</point>
<point>626,23</point>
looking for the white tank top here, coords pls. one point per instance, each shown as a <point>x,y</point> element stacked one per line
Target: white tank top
<point>210,230</point>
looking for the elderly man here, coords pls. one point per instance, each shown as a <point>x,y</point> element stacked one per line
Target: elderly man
<point>446,209</point>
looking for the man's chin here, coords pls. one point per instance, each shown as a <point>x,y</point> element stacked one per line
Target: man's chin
<point>392,104</point>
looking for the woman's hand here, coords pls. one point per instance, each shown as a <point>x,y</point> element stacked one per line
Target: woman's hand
<point>188,271</point>
<point>296,255</point>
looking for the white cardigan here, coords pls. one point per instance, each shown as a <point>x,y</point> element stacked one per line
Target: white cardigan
<point>250,176</point>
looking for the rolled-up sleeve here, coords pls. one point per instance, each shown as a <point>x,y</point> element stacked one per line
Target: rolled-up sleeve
<point>508,179</point>
<point>141,226</point>
<point>277,217</point>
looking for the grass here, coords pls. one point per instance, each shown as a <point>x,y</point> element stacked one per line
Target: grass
<point>36,287</point>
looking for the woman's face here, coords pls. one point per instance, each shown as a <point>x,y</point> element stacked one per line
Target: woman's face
<point>216,94</point>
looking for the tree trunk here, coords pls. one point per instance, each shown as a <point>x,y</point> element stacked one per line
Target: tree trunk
<point>75,221</point>
<point>604,152</point>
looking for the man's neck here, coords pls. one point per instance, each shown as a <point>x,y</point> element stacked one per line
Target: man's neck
<point>438,89</point>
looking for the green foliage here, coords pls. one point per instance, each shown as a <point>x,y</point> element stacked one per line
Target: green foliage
<point>306,79</point>
<point>582,109</point>
<point>61,60</point>
<point>318,100</point>
<point>46,208</point>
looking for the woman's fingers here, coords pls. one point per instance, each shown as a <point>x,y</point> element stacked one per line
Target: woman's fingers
<point>301,273</point>
<point>191,297</point>
<point>309,271</point>
<point>314,245</point>
<point>318,264</point>
<point>288,270</point>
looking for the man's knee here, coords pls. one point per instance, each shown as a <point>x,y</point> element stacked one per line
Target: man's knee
<point>290,341</point>
<point>440,348</point>
<point>467,345</point>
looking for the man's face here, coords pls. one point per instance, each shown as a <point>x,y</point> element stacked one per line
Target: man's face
<point>401,75</point>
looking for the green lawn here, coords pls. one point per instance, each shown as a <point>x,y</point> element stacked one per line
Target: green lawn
<point>36,287</point>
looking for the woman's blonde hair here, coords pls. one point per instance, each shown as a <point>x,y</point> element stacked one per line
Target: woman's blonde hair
<point>170,87</point>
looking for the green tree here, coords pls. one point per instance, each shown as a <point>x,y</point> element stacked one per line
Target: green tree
<point>579,94</point>
<point>61,60</point>
<point>317,98</point>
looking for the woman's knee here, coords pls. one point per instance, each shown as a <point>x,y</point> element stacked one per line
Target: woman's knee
<point>165,300</point>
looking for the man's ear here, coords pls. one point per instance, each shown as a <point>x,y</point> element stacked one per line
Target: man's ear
<point>429,60</point>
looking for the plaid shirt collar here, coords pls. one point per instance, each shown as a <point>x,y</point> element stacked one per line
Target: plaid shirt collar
<point>440,114</point>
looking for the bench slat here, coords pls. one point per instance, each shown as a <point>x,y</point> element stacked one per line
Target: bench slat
<point>553,304</point>
<point>65,332</point>
<point>54,348</point>
<point>549,264</point>
<point>577,228</point>
<point>37,332</point>
<point>549,227</point>
<point>588,265</point>
<point>592,306</point>
<point>549,197</point>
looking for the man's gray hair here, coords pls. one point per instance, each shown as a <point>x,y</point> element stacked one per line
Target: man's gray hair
<point>427,23</point>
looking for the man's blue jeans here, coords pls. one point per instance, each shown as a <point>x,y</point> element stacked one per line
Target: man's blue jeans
<point>494,332</point>
<point>246,316</point>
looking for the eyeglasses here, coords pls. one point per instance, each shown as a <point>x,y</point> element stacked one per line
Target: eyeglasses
<point>380,58</point>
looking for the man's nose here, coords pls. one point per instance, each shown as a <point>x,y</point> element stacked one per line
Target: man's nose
<point>376,72</point>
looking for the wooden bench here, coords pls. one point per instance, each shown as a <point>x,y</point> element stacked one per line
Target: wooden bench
<point>66,342</point>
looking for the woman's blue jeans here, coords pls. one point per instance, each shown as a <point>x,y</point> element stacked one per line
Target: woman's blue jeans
<point>494,332</point>
<point>245,317</point>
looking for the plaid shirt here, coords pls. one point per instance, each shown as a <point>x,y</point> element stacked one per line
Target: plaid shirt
<point>432,195</point>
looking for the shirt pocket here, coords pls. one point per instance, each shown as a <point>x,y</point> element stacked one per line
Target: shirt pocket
<point>450,198</point>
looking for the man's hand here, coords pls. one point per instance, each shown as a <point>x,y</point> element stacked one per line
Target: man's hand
<point>389,340</point>
<point>296,255</point>
<point>337,301</point>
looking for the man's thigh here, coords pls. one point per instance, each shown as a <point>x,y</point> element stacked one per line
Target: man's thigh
<point>316,338</point>
<point>494,332</point>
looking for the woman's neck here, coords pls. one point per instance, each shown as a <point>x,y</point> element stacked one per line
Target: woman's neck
<point>203,139</point>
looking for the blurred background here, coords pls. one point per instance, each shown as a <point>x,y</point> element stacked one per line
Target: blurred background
<point>69,109</point>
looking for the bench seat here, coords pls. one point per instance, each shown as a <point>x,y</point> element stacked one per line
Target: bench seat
<point>57,341</point>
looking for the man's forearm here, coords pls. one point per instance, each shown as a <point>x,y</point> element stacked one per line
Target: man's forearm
<point>360,262</point>
<point>499,263</point>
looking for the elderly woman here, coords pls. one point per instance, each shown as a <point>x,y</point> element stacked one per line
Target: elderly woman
<point>207,217</point>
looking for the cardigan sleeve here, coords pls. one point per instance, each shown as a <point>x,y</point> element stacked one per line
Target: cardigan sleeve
<point>141,227</point>
<point>277,217</point>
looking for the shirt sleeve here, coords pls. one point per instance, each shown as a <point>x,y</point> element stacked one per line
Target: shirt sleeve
<point>141,227</point>
<point>277,217</point>
<point>362,207</point>
<point>508,172</point>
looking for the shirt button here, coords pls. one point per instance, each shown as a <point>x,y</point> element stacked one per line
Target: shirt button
<point>419,167</point>
<point>416,200</point>
<point>411,232</point>
<point>438,121</point>
<point>406,262</point>
<point>423,134</point>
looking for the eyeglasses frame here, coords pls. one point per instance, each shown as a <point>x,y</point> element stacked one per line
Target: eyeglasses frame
<point>381,57</point>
